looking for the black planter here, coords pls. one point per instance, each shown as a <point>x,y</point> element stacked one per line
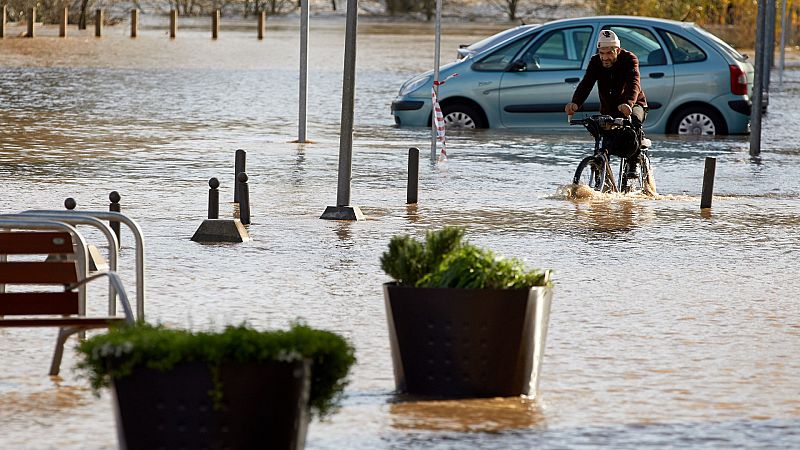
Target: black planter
<point>263,406</point>
<point>467,342</point>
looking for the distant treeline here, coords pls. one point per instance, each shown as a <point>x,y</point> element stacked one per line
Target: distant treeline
<point>732,20</point>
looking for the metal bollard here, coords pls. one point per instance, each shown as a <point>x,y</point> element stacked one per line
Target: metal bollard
<point>413,175</point>
<point>62,23</point>
<point>134,22</point>
<point>31,22</point>
<point>239,167</point>
<point>114,206</point>
<point>244,200</point>
<point>215,24</point>
<point>262,19</point>
<point>173,23</point>
<point>70,203</point>
<point>708,182</point>
<point>213,199</point>
<point>98,23</point>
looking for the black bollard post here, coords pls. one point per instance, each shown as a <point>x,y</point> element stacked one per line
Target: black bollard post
<point>70,203</point>
<point>708,182</point>
<point>413,175</point>
<point>213,199</point>
<point>114,207</point>
<point>239,167</point>
<point>244,199</point>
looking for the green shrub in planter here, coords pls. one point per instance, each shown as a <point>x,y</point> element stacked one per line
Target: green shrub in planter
<point>462,321</point>
<point>444,260</point>
<point>115,355</point>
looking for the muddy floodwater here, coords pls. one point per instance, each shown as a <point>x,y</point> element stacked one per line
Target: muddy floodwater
<point>670,327</point>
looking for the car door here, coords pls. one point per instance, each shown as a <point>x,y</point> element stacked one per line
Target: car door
<point>537,85</point>
<point>657,74</point>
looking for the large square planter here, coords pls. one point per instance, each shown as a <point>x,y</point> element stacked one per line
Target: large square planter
<point>263,405</point>
<point>459,343</point>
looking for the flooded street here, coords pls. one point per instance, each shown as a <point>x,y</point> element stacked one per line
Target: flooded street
<point>670,328</point>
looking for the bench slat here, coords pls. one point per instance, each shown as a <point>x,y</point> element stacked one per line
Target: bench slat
<point>88,322</point>
<point>29,303</point>
<point>35,243</point>
<point>50,272</point>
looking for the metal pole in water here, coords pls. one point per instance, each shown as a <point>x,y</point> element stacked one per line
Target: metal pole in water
<point>436,47</point>
<point>173,23</point>
<point>62,23</point>
<point>769,49</point>
<point>348,96</point>
<point>31,21</point>
<point>215,24</point>
<point>134,22</point>
<point>783,43</point>
<point>244,204</point>
<point>98,22</point>
<point>114,206</point>
<point>238,167</point>
<point>413,175</point>
<point>758,82</point>
<point>301,132</point>
<point>213,199</point>
<point>262,19</point>
<point>343,210</point>
<point>708,182</point>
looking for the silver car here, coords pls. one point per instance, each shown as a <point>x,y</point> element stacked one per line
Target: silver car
<point>695,83</point>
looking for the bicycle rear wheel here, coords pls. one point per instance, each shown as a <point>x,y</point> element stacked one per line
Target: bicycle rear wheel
<point>592,172</point>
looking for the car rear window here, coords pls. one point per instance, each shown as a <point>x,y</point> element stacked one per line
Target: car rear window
<point>681,49</point>
<point>723,45</point>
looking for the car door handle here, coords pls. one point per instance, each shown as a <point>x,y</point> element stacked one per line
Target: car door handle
<point>656,74</point>
<point>572,80</point>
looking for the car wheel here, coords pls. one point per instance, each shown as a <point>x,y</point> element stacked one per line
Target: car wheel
<point>462,116</point>
<point>698,120</point>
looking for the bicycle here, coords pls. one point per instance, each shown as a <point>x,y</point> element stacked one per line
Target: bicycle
<point>595,171</point>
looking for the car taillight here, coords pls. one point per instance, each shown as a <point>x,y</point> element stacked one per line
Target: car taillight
<point>738,80</point>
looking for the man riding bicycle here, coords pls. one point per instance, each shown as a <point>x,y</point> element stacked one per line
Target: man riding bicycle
<point>616,72</point>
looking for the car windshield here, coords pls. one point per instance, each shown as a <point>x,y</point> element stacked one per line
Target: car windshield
<point>494,39</point>
<point>724,45</point>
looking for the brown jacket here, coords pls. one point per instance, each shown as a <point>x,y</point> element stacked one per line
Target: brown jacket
<point>616,85</point>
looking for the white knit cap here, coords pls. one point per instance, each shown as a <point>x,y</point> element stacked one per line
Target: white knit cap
<point>607,38</point>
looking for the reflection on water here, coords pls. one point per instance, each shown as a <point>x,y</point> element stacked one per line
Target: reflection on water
<point>474,415</point>
<point>671,327</point>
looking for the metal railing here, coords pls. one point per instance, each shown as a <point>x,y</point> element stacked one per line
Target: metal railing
<point>137,234</point>
<point>113,245</point>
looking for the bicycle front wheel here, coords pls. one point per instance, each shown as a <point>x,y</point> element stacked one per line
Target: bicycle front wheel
<point>592,172</point>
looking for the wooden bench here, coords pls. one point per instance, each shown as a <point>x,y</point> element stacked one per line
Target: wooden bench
<point>47,294</point>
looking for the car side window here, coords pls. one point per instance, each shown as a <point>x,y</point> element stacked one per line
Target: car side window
<point>500,59</point>
<point>642,43</point>
<point>681,49</point>
<point>558,50</point>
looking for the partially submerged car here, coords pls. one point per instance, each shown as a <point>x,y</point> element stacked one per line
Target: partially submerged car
<point>695,82</point>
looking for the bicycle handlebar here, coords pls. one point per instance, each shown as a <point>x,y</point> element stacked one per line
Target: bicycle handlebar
<point>604,122</point>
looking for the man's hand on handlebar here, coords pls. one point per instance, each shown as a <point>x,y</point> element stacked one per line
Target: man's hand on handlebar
<point>571,108</point>
<point>625,109</point>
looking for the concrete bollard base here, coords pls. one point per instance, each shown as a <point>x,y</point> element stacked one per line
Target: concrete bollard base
<point>221,230</point>
<point>342,213</point>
